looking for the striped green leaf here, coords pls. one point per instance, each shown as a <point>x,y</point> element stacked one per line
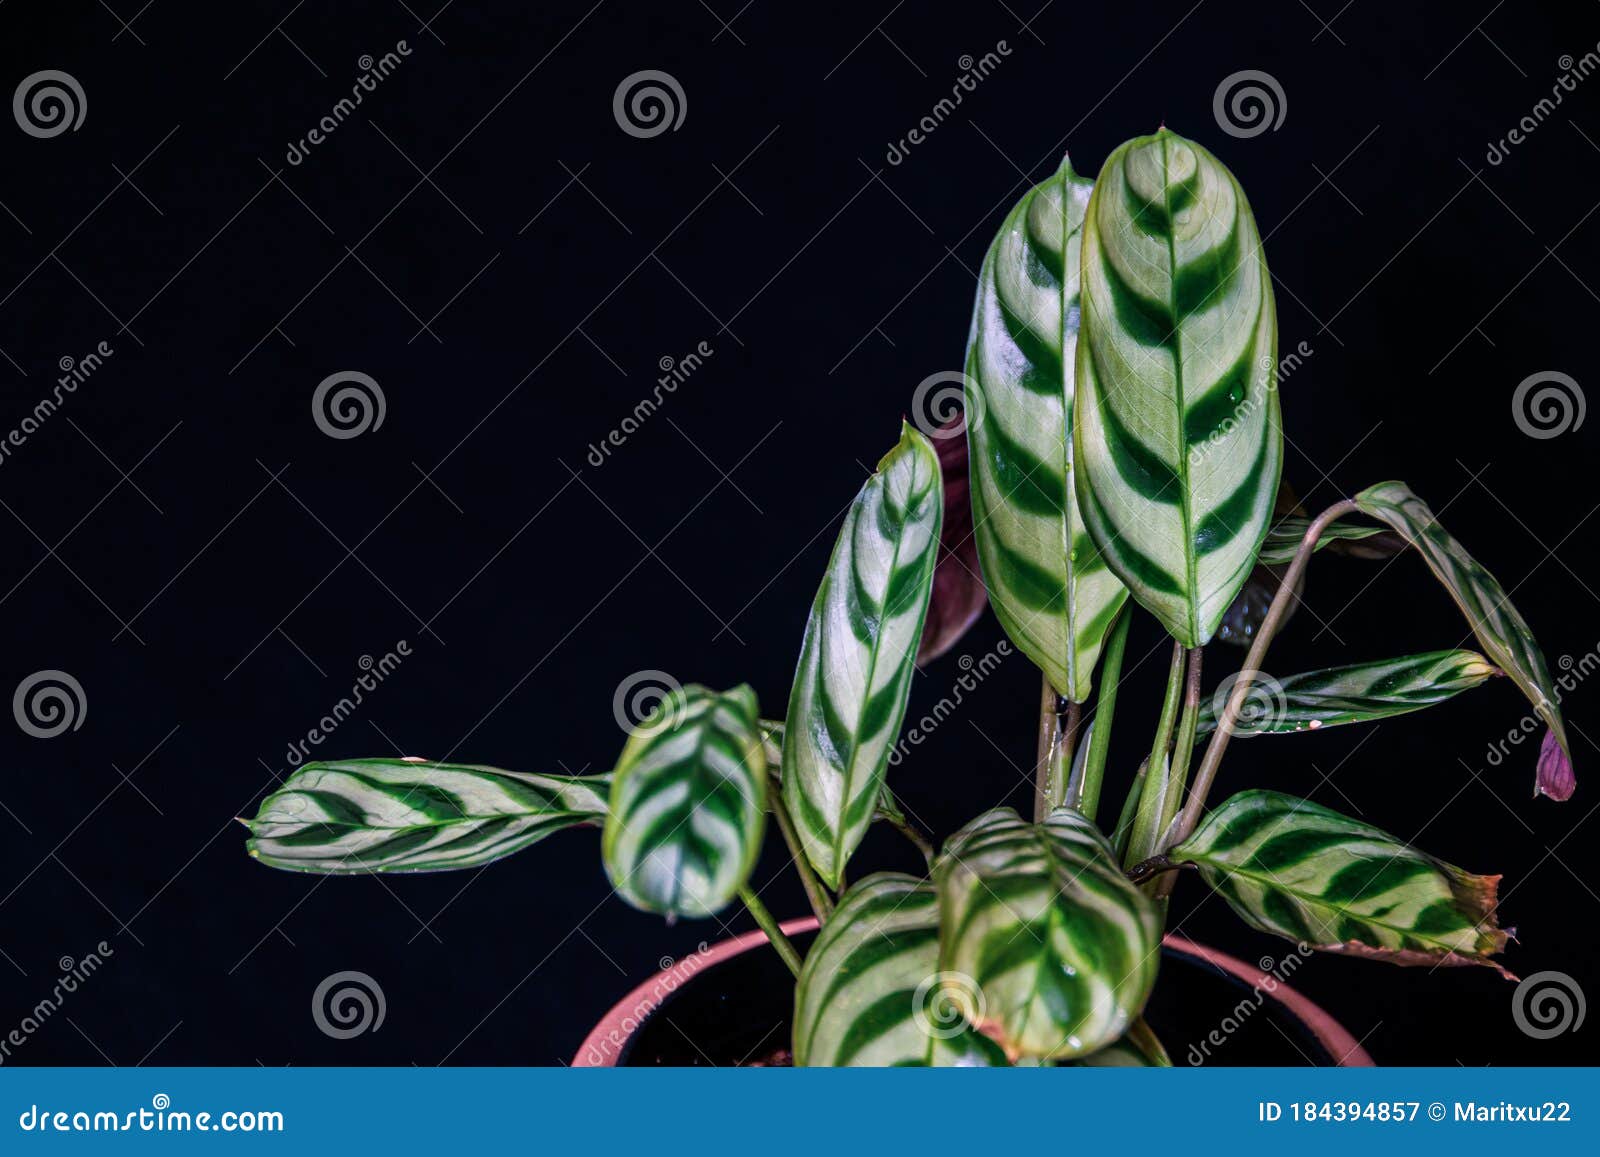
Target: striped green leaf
<point>1502,633</point>
<point>859,652</point>
<point>1045,945</point>
<point>1179,440</point>
<point>1050,588</point>
<point>1358,693</point>
<point>1139,1049</point>
<point>350,816</point>
<point>688,803</point>
<point>1285,535</point>
<point>1296,869</point>
<point>870,993</point>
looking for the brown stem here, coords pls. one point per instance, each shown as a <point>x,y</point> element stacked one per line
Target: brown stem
<point>1062,790</point>
<point>1252,667</point>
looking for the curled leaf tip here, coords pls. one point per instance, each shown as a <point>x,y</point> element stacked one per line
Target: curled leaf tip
<point>1556,778</point>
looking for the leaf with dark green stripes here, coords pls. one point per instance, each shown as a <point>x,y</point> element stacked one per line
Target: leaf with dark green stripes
<point>1285,535</point>
<point>1050,588</point>
<point>1358,693</point>
<point>1297,869</point>
<point>860,649</point>
<point>1179,439</point>
<point>870,993</point>
<point>1045,945</point>
<point>1501,631</point>
<point>688,803</point>
<point>352,816</point>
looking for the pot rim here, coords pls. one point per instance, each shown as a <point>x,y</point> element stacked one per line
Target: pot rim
<point>605,1043</point>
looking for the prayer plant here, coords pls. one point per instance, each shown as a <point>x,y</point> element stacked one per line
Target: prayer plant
<point>1122,418</point>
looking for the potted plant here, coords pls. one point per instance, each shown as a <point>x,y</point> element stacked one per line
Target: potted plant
<point>1120,454</point>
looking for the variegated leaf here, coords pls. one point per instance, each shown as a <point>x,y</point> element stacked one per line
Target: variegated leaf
<point>1179,439</point>
<point>1297,869</point>
<point>688,803</point>
<point>1286,534</point>
<point>870,993</point>
<point>1138,1049</point>
<point>1045,945</point>
<point>1501,631</point>
<point>859,652</point>
<point>357,816</point>
<point>1050,588</point>
<point>1358,693</point>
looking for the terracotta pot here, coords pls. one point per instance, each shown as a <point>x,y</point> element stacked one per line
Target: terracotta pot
<point>707,987</point>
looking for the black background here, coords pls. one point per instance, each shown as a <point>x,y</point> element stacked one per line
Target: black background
<point>185,491</point>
